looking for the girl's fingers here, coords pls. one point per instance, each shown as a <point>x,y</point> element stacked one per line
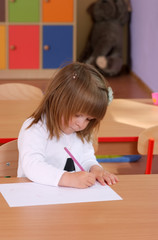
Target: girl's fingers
<point>101,180</point>
<point>110,179</point>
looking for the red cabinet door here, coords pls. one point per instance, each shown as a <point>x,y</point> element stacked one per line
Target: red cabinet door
<point>24,47</point>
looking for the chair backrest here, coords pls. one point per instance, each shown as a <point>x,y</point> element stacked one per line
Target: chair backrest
<point>148,145</point>
<point>143,140</point>
<point>9,159</point>
<point>16,91</point>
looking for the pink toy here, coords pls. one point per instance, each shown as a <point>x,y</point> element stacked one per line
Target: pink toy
<point>155,98</point>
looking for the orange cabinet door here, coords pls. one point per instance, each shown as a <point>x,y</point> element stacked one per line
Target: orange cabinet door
<point>57,10</point>
<point>23,47</point>
<point>2,47</point>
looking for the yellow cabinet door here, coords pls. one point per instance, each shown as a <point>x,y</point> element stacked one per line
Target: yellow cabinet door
<point>2,47</point>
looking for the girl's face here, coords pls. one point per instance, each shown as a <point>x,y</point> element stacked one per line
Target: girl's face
<point>77,123</point>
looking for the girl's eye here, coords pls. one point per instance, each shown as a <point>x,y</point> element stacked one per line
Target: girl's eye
<point>90,119</point>
<point>78,115</point>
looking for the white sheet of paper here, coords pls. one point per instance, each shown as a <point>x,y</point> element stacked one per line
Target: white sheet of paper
<point>32,194</point>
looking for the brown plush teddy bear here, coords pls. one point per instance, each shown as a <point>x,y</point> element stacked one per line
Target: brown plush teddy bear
<point>104,48</point>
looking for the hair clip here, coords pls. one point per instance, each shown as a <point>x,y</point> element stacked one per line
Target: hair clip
<point>110,95</point>
<point>74,75</point>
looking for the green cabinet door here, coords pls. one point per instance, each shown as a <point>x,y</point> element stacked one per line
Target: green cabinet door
<point>24,10</point>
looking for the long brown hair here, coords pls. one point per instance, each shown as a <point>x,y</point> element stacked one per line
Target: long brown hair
<point>76,88</point>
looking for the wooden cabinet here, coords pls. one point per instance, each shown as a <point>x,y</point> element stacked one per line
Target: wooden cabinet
<point>36,35</point>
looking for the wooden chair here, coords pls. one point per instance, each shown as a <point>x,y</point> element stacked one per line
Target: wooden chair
<point>9,159</point>
<point>16,91</point>
<point>148,145</point>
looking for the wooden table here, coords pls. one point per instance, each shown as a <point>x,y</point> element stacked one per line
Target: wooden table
<point>12,114</point>
<point>134,217</point>
<point>125,119</point>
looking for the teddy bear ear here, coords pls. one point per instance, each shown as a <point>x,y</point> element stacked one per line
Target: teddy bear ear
<point>90,9</point>
<point>123,13</point>
<point>95,11</point>
<point>128,3</point>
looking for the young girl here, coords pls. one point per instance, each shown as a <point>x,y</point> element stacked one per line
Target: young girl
<point>72,107</point>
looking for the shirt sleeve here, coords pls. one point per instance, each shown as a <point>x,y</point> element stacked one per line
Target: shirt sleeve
<point>32,144</point>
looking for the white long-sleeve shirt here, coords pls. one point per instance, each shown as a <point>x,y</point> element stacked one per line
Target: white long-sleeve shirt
<point>42,159</point>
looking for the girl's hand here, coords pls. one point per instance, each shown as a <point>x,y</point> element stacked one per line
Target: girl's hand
<point>77,179</point>
<point>103,176</point>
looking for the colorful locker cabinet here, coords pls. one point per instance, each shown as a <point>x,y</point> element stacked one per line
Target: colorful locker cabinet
<point>39,33</point>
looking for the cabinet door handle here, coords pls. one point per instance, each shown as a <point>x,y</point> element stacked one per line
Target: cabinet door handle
<point>12,47</point>
<point>46,47</point>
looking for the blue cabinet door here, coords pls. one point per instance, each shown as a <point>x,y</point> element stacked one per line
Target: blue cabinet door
<point>57,45</point>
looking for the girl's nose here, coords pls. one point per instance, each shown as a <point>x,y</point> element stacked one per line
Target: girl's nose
<point>80,123</point>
